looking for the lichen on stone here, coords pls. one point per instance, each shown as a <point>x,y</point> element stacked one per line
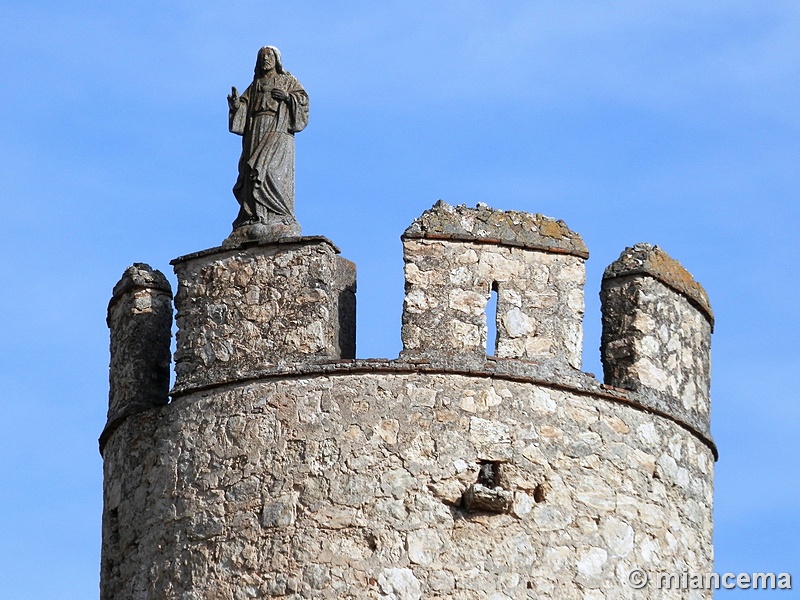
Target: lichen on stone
<point>485,224</point>
<point>651,260</point>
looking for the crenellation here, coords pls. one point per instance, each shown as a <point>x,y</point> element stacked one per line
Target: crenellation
<point>657,326</point>
<point>456,256</point>
<point>284,467</point>
<point>262,305</point>
<point>139,318</point>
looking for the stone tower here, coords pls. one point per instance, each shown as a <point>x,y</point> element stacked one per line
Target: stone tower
<point>284,467</point>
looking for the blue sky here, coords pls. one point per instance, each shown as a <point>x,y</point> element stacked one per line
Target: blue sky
<point>675,123</point>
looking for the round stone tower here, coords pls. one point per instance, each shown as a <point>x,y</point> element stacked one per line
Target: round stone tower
<point>285,467</point>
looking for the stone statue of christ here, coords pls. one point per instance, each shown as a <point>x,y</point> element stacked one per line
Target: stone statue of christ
<point>267,115</point>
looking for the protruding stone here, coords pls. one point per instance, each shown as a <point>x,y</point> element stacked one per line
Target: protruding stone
<point>478,497</point>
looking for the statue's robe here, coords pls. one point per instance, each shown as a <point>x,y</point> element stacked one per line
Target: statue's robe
<point>265,186</point>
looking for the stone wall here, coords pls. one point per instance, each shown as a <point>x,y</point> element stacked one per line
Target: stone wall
<point>351,485</point>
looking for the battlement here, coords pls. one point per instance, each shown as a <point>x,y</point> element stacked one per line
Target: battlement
<point>286,467</point>
<point>262,305</point>
<point>140,322</point>
<point>265,308</point>
<point>657,325</point>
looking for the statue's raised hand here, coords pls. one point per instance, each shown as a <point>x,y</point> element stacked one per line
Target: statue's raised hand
<point>279,94</point>
<point>233,99</point>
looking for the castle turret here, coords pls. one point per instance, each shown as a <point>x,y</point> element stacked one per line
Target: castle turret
<point>285,468</point>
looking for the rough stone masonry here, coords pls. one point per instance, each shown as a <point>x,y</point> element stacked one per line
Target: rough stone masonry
<point>283,467</point>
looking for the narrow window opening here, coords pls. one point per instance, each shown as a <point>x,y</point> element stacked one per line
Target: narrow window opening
<point>491,322</point>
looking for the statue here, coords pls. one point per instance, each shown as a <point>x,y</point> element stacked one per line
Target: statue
<point>267,115</point>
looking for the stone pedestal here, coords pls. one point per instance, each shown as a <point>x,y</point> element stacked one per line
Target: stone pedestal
<point>243,311</point>
<point>272,231</point>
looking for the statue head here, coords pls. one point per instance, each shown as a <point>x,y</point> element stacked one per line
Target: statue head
<point>268,57</point>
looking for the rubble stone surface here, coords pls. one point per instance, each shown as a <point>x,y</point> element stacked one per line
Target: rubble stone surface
<point>285,468</point>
